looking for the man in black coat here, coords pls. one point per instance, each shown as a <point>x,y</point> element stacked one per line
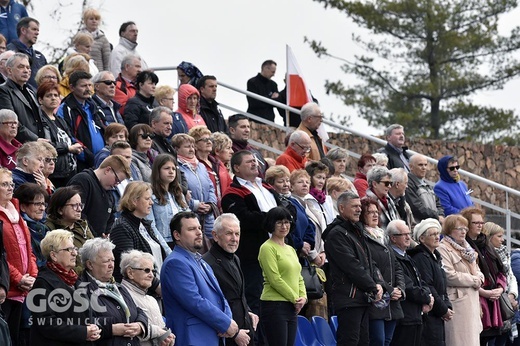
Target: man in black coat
<point>226,267</point>
<point>263,85</point>
<point>395,148</point>
<point>419,299</point>
<point>209,110</point>
<point>17,95</point>
<point>356,282</point>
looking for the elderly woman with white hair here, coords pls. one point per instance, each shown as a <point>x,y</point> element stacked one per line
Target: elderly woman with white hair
<point>29,165</point>
<point>428,262</point>
<point>8,144</point>
<point>379,183</point>
<point>120,320</point>
<point>138,271</point>
<point>339,158</point>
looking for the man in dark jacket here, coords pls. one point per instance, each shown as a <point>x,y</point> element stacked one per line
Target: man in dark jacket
<point>419,194</point>
<point>95,186</point>
<point>17,95</point>
<point>28,30</point>
<point>105,90</point>
<point>356,282</point>
<point>84,118</point>
<point>209,106</point>
<point>263,85</point>
<point>226,267</point>
<point>418,296</point>
<point>395,148</point>
<point>241,199</point>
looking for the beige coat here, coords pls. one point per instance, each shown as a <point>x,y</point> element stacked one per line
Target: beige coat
<point>463,280</point>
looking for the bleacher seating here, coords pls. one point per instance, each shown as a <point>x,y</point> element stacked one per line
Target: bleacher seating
<point>323,331</point>
<point>306,334</point>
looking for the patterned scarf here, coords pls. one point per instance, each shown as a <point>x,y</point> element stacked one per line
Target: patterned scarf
<point>69,277</point>
<point>465,251</point>
<point>192,163</point>
<point>111,290</point>
<point>318,194</point>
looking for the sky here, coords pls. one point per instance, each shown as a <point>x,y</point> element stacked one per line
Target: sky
<point>231,38</point>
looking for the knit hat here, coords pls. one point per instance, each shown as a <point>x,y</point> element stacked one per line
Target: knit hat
<point>423,226</point>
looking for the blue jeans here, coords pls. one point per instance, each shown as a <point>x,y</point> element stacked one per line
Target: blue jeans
<point>381,332</point>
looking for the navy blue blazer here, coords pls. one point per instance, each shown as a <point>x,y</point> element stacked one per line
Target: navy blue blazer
<point>196,309</point>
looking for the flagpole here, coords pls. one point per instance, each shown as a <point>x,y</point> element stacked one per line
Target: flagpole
<point>287,89</point>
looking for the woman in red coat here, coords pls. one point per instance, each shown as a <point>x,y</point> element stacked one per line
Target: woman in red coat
<point>20,258</point>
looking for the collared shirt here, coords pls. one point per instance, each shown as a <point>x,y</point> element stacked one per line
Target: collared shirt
<point>399,251</point>
<point>264,197</point>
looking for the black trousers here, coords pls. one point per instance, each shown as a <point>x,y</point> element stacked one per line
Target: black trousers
<point>279,322</point>
<point>353,326</point>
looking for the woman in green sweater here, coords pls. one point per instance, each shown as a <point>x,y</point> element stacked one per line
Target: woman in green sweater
<point>284,294</point>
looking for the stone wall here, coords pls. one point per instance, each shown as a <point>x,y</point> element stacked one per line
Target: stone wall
<point>497,163</point>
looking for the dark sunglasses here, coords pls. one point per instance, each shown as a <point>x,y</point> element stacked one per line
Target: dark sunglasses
<point>454,168</point>
<point>51,159</point>
<point>387,183</point>
<point>147,135</point>
<point>108,82</point>
<point>146,270</point>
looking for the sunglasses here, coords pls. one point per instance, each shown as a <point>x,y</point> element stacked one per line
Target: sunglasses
<point>108,82</point>
<point>146,270</point>
<point>452,168</point>
<point>147,135</point>
<point>51,159</point>
<point>387,183</point>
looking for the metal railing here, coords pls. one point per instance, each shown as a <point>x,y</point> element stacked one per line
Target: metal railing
<point>508,191</point>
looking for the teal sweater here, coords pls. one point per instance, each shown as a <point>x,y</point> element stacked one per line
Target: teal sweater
<point>282,273</point>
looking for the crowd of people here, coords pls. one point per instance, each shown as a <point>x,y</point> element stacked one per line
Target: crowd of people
<point>126,221</point>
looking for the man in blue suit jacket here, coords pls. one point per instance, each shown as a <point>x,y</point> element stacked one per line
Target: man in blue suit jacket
<point>196,309</point>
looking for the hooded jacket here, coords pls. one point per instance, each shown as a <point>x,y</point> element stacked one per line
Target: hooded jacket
<point>454,195</point>
<point>185,91</point>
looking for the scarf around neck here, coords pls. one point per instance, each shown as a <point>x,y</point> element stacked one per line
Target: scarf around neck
<point>466,251</point>
<point>318,194</point>
<point>68,276</point>
<point>193,163</point>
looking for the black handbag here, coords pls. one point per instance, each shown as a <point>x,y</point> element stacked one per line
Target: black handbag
<point>506,308</point>
<point>312,282</point>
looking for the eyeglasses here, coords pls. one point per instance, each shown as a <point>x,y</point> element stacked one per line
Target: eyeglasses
<point>10,123</point>
<point>7,185</point>
<point>38,204</point>
<point>403,235</point>
<point>318,116</point>
<point>372,212</point>
<point>168,98</point>
<point>207,140</point>
<point>305,149</point>
<point>108,82</point>
<point>147,135</point>
<point>452,168</point>
<point>146,270</point>
<point>69,249</point>
<point>462,229</point>
<point>51,159</point>
<point>76,206</point>
<point>477,222</point>
<point>283,223</point>
<point>387,183</point>
<point>118,181</point>
<point>50,77</point>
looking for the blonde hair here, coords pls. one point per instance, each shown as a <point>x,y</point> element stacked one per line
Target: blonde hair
<point>179,139</point>
<point>297,174</point>
<point>490,229</point>
<point>276,172</point>
<point>337,184</point>
<point>91,13</point>
<point>118,163</point>
<point>82,38</point>
<point>133,191</point>
<point>198,131</point>
<point>75,62</point>
<point>46,146</point>
<point>41,72</point>
<point>53,240</point>
<point>162,91</point>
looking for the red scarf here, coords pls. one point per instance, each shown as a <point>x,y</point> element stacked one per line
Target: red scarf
<point>69,277</point>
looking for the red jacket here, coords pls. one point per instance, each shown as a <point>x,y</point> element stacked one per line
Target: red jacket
<point>218,167</point>
<point>8,153</point>
<point>361,184</point>
<point>124,92</point>
<point>12,250</point>
<point>290,159</point>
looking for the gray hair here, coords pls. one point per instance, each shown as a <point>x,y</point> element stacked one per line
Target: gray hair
<point>217,225</point>
<point>389,129</point>
<point>393,227</point>
<point>296,136</point>
<point>7,114</point>
<point>92,247</point>
<point>377,174</point>
<point>10,62</point>
<point>131,258</point>
<point>100,76</point>
<point>7,54</point>
<point>127,60</point>
<point>337,154</point>
<point>155,115</point>
<point>29,150</point>
<point>346,197</point>
<point>398,174</point>
<point>308,109</point>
